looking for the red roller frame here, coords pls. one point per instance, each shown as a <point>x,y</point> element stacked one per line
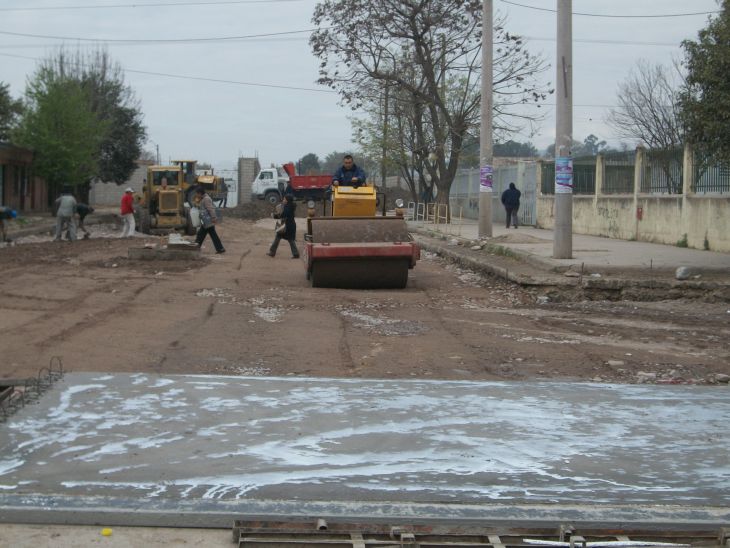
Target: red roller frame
<point>380,250</point>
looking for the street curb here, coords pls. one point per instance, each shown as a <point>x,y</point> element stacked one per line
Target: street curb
<point>479,264</point>
<point>624,288</point>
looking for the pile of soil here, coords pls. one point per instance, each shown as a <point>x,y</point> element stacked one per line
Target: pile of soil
<point>253,211</point>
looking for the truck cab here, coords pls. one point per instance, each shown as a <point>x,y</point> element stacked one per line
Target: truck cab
<point>269,184</point>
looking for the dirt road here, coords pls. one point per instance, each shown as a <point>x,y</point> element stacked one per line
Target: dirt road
<point>244,313</point>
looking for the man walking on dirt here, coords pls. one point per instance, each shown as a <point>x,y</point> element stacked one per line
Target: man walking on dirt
<point>65,211</point>
<point>208,220</point>
<point>127,211</point>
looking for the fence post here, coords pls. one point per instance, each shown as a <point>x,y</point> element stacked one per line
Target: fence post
<point>687,189</point>
<point>688,171</point>
<point>600,172</point>
<point>538,178</point>
<point>638,172</point>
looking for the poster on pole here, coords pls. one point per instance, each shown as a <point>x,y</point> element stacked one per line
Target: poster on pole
<point>485,178</point>
<point>564,175</point>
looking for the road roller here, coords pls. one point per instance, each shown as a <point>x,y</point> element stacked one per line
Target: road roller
<point>351,247</point>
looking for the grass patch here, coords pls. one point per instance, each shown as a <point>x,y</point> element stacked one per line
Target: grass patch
<point>682,242</point>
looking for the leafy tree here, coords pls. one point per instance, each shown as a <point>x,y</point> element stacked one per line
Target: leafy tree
<point>427,55</point>
<point>591,146</point>
<point>10,110</point>
<point>308,164</point>
<point>705,102</point>
<point>514,149</point>
<point>114,104</point>
<point>60,126</point>
<point>648,107</point>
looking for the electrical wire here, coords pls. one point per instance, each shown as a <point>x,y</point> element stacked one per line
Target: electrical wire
<point>198,78</point>
<point>651,16</point>
<point>156,41</point>
<point>151,5</point>
<point>276,86</point>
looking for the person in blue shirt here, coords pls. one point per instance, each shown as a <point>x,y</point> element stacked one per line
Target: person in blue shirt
<point>349,174</point>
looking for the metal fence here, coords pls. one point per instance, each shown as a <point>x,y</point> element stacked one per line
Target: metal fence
<point>547,185</point>
<point>710,178</point>
<point>662,172</point>
<point>618,172</point>
<point>465,191</point>
<point>584,176</point>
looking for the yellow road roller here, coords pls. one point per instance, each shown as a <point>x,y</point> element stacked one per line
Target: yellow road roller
<point>353,248</point>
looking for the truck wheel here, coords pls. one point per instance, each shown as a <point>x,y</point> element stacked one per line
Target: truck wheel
<point>145,223</point>
<point>189,228</point>
<point>272,197</point>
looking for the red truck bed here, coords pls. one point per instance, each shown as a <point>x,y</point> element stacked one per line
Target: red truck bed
<point>306,182</point>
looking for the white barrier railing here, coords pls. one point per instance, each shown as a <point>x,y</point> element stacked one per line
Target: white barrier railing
<point>442,216</point>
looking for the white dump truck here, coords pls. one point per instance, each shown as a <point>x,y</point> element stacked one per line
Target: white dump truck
<point>272,182</point>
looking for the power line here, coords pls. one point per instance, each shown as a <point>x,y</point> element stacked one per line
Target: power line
<point>151,5</point>
<point>254,37</point>
<point>604,41</point>
<point>199,78</point>
<point>652,16</point>
<point>276,86</point>
<point>153,40</point>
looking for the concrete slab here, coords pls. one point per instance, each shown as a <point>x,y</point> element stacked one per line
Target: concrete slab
<point>200,450</point>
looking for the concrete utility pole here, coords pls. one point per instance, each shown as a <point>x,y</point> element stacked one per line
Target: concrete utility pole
<point>486,148</point>
<point>563,239</point>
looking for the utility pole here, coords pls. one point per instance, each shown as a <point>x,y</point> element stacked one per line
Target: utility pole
<point>486,144</point>
<point>383,168</point>
<point>563,239</point>
<point>158,153</point>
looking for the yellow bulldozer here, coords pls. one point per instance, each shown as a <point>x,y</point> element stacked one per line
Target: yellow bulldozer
<point>215,186</point>
<point>168,195</point>
<point>353,247</point>
<point>162,206</point>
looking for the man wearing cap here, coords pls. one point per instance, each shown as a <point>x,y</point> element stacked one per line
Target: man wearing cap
<point>127,211</point>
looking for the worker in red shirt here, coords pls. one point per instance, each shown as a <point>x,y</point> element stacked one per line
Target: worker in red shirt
<point>128,213</point>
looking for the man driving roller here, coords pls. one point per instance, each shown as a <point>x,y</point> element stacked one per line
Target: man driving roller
<point>349,174</point>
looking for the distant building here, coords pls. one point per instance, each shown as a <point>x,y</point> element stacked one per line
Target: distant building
<point>19,187</point>
<point>110,194</point>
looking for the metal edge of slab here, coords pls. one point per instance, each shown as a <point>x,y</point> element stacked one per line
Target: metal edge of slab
<point>70,510</point>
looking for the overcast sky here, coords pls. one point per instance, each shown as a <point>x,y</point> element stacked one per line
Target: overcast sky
<point>217,121</point>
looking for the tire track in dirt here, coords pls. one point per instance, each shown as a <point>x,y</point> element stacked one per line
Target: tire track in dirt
<point>94,321</point>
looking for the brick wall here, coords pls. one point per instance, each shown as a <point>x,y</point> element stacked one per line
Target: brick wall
<point>248,168</point>
<point>110,194</point>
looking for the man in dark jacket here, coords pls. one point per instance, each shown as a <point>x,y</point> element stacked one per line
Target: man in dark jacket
<point>83,210</point>
<point>511,203</point>
<point>349,174</point>
<point>289,229</point>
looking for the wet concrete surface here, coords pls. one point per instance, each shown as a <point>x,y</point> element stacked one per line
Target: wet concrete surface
<point>187,444</point>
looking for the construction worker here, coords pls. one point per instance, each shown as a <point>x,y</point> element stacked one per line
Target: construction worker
<point>83,210</point>
<point>65,211</point>
<point>6,213</point>
<point>349,174</point>
<point>127,211</point>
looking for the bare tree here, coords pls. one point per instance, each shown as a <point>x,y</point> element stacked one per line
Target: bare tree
<point>648,108</point>
<point>427,53</point>
<point>649,112</point>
